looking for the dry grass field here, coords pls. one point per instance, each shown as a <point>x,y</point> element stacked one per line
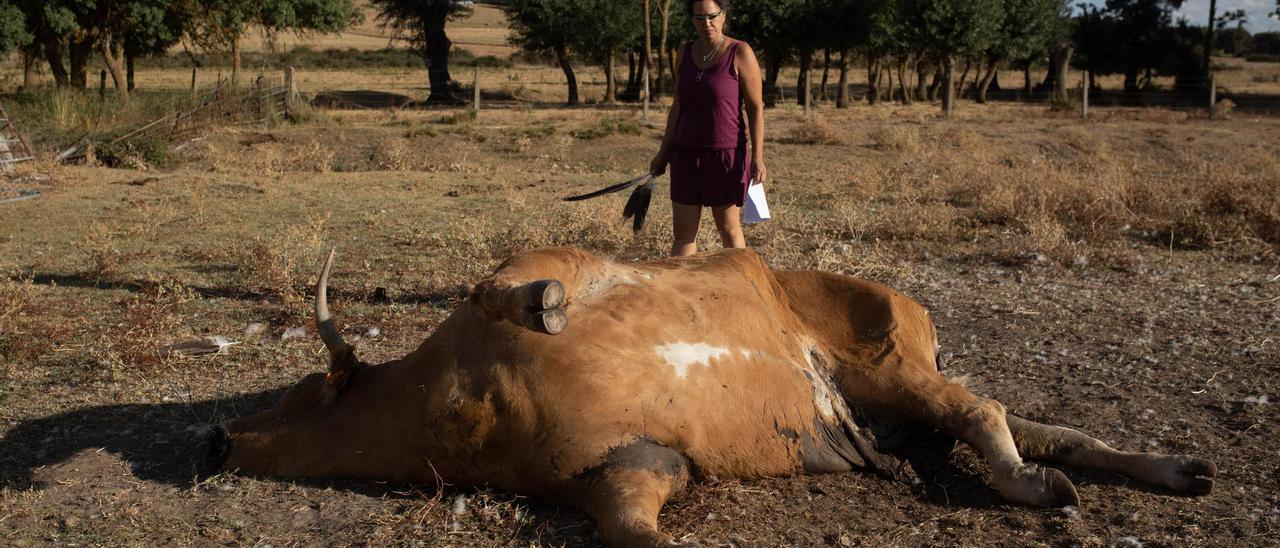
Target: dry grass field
<point>1120,275</point>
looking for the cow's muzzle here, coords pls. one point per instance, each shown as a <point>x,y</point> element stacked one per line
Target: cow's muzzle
<point>219,446</point>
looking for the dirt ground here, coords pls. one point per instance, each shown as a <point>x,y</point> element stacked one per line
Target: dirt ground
<point>1119,276</point>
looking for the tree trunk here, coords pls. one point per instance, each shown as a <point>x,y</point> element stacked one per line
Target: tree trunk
<point>949,87</point>
<point>437,56</point>
<point>660,83</point>
<point>922,77</point>
<point>985,83</point>
<point>671,66</point>
<point>633,73</point>
<point>902,79</point>
<point>562,57</point>
<point>29,55</point>
<point>235,62</point>
<point>887,67</point>
<point>826,69</point>
<point>1208,37</point>
<point>128,61</point>
<point>1061,63</point>
<point>772,68</point>
<point>806,66</point>
<point>113,54</point>
<point>804,90</point>
<point>842,91</point>
<point>53,49</point>
<point>873,79</point>
<point>610,86</point>
<point>648,49</point>
<point>1131,80</point>
<point>81,49</point>
<point>968,64</point>
<point>939,74</point>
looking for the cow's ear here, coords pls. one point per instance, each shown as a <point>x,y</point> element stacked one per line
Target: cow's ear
<point>341,366</point>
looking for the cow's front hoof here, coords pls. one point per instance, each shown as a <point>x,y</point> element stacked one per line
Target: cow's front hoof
<point>1039,486</point>
<point>551,322</point>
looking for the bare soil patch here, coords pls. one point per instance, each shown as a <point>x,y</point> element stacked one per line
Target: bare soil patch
<point>1119,276</point>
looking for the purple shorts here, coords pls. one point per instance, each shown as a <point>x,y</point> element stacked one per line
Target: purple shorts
<point>709,177</point>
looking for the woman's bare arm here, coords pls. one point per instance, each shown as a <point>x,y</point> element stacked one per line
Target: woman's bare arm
<point>753,93</point>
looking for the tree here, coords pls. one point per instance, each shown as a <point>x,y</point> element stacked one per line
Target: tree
<point>423,23</point>
<point>952,28</point>
<point>220,25</point>
<point>1027,33</point>
<point>845,26</point>
<point>604,32</point>
<point>545,26</point>
<point>62,29</point>
<point>156,26</point>
<point>124,28</point>
<point>1142,38</point>
<point>13,28</point>
<point>1233,41</point>
<point>768,25</point>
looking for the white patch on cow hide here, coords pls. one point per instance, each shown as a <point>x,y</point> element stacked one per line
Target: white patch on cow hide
<point>683,355</point>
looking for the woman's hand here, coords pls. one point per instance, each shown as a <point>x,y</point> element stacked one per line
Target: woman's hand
<point>758,171</point>
<point>658,166</point>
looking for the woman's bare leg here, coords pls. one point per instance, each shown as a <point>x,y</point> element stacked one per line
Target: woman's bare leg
<point>684,223</point>
<point>729,223</point>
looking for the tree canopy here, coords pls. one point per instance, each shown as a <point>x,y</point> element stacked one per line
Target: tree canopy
<point>422,22</point>
<point>13,28</point>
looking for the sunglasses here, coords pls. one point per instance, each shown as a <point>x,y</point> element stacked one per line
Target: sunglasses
<point>708,18</point>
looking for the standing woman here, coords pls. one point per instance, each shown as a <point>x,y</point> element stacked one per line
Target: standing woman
<point>706,137</point>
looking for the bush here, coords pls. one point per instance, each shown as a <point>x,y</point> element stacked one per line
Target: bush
<point>607,126</point>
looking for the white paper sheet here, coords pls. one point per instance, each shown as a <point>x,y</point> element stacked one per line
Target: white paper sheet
<point>756,210</point>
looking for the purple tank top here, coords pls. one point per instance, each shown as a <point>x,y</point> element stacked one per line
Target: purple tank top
<point>710,104</point>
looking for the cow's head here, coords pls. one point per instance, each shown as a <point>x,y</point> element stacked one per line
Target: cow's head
<point>328,424</point>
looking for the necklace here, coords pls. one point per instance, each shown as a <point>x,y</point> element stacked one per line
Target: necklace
<point>714,49</point>
<point>706,58</point>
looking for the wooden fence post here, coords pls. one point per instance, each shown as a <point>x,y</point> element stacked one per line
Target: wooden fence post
<point>193,85</point>
<point>290,90</point>
<point>1084,94</point>
<point>476,93</point>
<point>1213,93</point>
<point>102,84</point>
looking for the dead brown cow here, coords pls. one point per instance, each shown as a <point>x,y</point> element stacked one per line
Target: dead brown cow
<point>610,385</point>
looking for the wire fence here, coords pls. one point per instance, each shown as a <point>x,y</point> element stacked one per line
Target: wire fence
<point>222,104</point>
<point>1184,94</point>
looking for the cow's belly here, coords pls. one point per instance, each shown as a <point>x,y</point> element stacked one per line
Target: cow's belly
<point>724,375</point>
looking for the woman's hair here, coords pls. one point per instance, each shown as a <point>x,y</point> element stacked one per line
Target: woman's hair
<point>724,7</point>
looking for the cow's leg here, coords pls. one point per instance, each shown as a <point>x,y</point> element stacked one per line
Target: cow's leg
<point>921,394</point>
<point>531,289</point>
<point>1060,445</point>
<point>626,492</point>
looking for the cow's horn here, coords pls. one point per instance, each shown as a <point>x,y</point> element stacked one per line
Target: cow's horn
<point>324,324</point>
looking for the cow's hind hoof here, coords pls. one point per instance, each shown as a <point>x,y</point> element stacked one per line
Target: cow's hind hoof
<point>551,322</point>
<point>1190,475</point>
<point>545,295</point>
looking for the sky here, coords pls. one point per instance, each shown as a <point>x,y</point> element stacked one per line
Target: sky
<point>1197,12</point>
